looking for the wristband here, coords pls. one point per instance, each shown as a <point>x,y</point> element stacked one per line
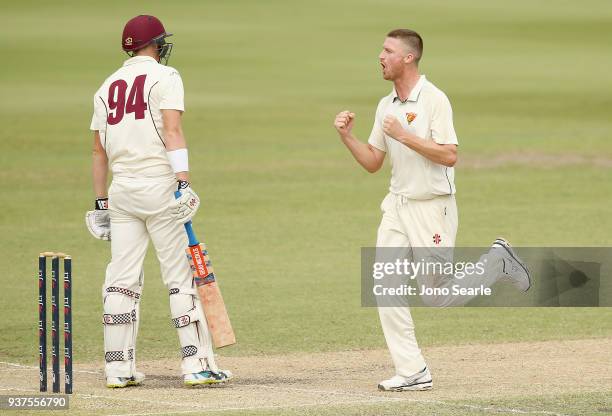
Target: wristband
<point>179,160</point>
<point>101,203</point>
<point>182,185</point>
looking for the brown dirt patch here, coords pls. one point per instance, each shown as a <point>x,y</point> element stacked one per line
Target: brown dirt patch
<point>327,379</point>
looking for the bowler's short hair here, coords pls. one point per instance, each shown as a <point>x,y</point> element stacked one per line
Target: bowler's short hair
<point>411,38</point>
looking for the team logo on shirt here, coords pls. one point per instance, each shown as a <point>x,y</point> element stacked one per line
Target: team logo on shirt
<point>128,41</point>
<point>410,117</point>
<point>437,239</point>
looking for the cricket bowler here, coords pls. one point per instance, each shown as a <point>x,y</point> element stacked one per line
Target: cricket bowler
<point>414,126</point>
<point>138,134</point>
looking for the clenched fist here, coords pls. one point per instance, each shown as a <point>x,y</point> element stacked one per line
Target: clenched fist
<point>393,128</point>
<point>344,122</point>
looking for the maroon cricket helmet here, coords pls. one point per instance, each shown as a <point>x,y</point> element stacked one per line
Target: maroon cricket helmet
<point>141,31</point>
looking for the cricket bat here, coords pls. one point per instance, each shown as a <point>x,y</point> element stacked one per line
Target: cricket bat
<point>210,296</point>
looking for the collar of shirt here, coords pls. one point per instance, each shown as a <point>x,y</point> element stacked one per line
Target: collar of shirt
<point>414,94</point>
<point>138,59</point>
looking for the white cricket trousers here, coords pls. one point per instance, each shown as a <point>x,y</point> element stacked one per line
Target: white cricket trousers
<point>413,224</point>
<point>138,211</point>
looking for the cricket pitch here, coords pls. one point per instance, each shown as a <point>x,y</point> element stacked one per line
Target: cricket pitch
<point>335,383</point>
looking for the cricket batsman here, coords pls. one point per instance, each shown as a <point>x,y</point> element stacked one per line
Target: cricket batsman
<point>414,125</point>
<point>138,134</point>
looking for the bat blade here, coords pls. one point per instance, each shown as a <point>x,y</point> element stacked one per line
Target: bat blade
<point>210,296</point>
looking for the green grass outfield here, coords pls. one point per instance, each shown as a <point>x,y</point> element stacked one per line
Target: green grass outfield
<point>285,208</point>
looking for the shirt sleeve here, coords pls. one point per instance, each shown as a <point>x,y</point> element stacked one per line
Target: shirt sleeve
<point>172,92</point>
<point>98,119</point>
<point>377,136</point>
<point>442,128</point>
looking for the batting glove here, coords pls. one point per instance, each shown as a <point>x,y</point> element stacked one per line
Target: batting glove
<point>98,220</point>
<point>185,206</point>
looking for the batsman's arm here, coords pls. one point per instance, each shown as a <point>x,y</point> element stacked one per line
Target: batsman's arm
<point>99,168</point>
<point>176,145</point>
<point>185,207</point>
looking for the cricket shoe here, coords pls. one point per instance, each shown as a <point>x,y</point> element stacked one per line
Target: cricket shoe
<point>419,381</point>
<point>513,269</point>
<point>207,377</point>
<point>121,382</point>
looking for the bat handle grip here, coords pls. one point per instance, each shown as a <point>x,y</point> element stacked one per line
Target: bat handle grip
<point>193,240</point>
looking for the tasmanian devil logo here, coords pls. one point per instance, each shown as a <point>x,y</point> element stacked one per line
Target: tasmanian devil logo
<point>128,41</point>
<point>410,117</point>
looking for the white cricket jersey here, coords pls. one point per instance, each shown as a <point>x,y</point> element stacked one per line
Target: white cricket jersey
<point>127,114</point>
<point>427,114</point>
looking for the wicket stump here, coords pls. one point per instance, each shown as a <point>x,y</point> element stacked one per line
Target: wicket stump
<point>55,320</point>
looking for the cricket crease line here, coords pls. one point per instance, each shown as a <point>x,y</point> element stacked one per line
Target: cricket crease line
<point>132,399</point>
<point>16,389</point>
<point>331,392</point>
<point>227,409</point>
<point>371,399</point>
<point>232,409</point>
<point>31,367</point>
